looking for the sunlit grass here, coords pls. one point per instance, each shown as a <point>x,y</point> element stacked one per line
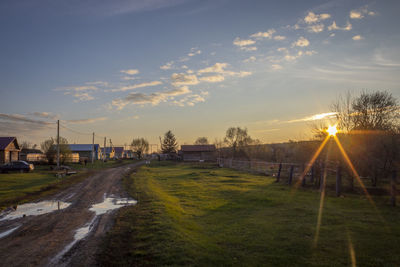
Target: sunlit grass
<point>189,215</point>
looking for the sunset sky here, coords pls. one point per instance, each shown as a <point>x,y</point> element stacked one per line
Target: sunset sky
<point>126,69</point>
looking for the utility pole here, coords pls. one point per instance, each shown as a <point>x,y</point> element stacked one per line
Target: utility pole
<point>104,149</point>
<point>93,149</point>
<point>58,144</point>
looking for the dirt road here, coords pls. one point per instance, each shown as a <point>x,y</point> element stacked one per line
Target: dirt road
<point>69,236</point>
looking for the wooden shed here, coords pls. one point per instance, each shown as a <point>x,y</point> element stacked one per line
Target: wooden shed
<point>9,149</point>
<point>198,152</point>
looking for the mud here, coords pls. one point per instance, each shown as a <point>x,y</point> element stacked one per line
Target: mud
<point>69,236</point>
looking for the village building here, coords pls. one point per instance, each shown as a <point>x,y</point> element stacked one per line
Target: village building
<point>118,152</point>
<point>85,151</point>
<point>9,149</point>
<point>109,152</point>
<point>198,152</point>
<point>32,155</point>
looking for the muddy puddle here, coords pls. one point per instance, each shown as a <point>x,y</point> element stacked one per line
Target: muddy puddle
<point>111,203</point>
<point>8,232</point>
<point>30,209</point>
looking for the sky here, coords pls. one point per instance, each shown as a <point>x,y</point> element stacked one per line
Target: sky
<point>129,68</point>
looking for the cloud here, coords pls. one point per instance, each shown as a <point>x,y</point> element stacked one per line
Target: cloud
<point>315,18</point>
<point>190,100</point>
<point>133,87</point>
<point>99,83</point>
<point>276,67</point>
<point>268,34</point>
<point>279,38</point>
<point>45,115</point>
<point>250,59</point>
<point>333,26</point>
<point>130,71</point>
<point>321,116</point>
<point>152,98</point>
<point>240,42</point>
<point>22,118</point>
<point>357,37</point>
<point>361,13</point>
<point>220,68</point>
<point>213,79</point>
<point>179,79</point>
<point>167,66</point>
<point>80,97</point>
<point>193,52</point>
<point>248,48</point>
<point>301,42</point>
<point>86,121</point>
<point>316,28</point>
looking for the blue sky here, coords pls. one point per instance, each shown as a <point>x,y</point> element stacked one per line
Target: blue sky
<point>126,69</point>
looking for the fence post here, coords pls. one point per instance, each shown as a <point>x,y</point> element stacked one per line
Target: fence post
<point>393,189</point>
<point>338,180</point>
<point>321,178</point>
<point>303,181</point>
<point>291,175</point>
<point>278,176</point>
<point>312,174</point>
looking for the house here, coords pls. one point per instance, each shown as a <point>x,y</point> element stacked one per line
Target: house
<point>109,152</point>
<point>9,149</point>
<point>85,151</point>
<point>198,152</point>
<point>128,154</point>
<point>119,152</point>
<point>32,155</point>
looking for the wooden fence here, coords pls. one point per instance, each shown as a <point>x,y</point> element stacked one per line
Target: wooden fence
<point>302,174</point>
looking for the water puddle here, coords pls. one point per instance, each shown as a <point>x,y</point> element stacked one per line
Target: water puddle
<point>38,208</point>
<point>6,233</point>
<point>111,203</point>
<point>108,204</point>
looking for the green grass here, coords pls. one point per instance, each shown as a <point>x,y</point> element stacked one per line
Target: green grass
<point>206,216</point>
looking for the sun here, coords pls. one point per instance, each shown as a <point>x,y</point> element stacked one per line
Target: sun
<point>332,130</point>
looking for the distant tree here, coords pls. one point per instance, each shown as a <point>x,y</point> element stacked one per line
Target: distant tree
<point>169,143</point>
<point>201,141</point>
<point>237,138</point>
<point>25,145</point>
<point>49,148</point>
<point>140,146</point>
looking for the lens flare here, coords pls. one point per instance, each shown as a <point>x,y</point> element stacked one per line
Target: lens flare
<point>332,130</point>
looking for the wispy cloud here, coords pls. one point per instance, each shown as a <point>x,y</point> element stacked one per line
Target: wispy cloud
<point>333,26</point>
<point>213,78</point>
<point>86,121</point>
<point>193,52</point>
<point>167,65</point>
<point>135,86</point>
<point>181,79</point>
<point>243,42</point>
<point>130,71</point>
<point>268,34</point>
<point>357,37</point>
<point>321,116</point>
<point>152,98</point>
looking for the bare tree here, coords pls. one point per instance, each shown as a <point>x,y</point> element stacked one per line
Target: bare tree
<point>201,141</point>
<point>140,146</point>
<point>237,138</point>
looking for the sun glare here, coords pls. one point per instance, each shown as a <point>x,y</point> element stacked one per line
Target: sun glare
<point>332,130</point>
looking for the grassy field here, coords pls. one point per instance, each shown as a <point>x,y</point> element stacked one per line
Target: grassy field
<point>16,188</point>
<point>206,216</point>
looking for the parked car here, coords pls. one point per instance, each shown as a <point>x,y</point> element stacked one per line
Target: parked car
<point>19,166</point>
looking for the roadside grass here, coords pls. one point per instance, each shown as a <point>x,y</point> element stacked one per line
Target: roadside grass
<point>18,188</point>
<point>201,215</point>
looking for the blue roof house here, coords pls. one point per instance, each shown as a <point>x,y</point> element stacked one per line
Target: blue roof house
<point>85,151</point>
